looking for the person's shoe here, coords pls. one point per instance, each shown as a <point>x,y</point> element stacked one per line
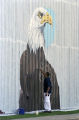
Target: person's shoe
<point>49,111</point>
<point>46,111</point>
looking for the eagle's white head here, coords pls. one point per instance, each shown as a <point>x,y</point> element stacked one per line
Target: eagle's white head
<point>36,28</point>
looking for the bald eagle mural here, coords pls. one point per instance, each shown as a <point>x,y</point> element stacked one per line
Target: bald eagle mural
<point>33,38</point>
<point>34,58</point>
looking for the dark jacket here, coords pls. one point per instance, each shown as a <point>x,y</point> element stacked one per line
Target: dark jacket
<point>47,83</point>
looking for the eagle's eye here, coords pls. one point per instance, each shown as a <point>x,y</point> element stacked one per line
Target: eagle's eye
<point>40,15</point>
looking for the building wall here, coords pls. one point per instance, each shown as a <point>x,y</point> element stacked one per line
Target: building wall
<point>63,53</point>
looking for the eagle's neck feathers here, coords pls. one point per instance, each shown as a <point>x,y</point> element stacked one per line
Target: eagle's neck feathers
<point>36,38</point>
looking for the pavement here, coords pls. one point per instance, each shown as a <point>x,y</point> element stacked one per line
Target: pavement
<point>55,117</point>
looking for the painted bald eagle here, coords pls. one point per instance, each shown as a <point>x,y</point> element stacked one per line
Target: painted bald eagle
<point>36,28</point>
<point>32,59</point>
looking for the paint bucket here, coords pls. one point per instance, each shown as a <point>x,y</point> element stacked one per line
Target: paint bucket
<point>21,111</point>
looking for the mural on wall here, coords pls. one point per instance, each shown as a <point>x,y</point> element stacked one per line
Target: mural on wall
<point>52,46</point>
<point>34,58</point>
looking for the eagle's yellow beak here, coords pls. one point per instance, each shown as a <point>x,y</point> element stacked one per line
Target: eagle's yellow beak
<point>47,19</point>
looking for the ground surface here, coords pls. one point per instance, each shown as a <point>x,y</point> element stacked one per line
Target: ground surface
<point>55,117</point>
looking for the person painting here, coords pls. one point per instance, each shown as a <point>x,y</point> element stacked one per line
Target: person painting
<point>47,91</point>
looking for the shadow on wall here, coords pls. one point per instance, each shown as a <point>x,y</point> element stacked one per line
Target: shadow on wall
<point>31,81</point>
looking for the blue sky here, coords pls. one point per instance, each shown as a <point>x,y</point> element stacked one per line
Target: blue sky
<point>49,30</point>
